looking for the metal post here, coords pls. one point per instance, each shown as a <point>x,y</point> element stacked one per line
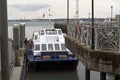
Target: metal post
<point>89,18</point>
<point>77,19</point>
<point>93,32</point>
<point>4,40</point>
<point>119,40</point>
<point>111,15</point>
<point>87,74</point>
<point>67,11</point>
<point>49,16</point>
<point>96,40</point>
<point>77,11</point>
<point>111,12</point>
<point>102,76</point>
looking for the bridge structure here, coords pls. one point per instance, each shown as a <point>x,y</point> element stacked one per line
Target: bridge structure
<point>105,58</point>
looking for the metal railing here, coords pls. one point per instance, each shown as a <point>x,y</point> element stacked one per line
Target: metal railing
<point>107,35</point>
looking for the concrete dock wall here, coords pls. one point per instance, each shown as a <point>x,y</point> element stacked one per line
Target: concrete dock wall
<point>11,57</point>
<point>98,60</point>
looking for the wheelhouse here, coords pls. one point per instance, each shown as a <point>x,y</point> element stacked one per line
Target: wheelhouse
<point>47,40</point>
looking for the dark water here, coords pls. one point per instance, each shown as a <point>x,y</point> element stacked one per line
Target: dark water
<point>53,75</point>
<point>79,74</point>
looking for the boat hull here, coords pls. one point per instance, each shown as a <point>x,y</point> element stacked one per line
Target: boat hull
<point>52,65</point>
<point>58,60</point>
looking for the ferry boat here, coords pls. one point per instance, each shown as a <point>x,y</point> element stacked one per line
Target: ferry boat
<point>47,50</point>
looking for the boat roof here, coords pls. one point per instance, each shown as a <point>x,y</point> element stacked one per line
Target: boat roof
<point>36,42</point>
<point>50,29</point>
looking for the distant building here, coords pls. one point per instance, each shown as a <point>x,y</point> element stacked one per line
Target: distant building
<point>117,20</point>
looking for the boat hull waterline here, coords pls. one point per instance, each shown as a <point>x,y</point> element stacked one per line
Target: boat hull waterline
<point>51,63</point>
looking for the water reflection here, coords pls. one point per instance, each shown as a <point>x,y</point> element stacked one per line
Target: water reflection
<point>53,75</point>
<point>79,74</point>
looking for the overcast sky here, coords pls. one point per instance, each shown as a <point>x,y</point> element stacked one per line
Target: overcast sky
<point>20,9</point>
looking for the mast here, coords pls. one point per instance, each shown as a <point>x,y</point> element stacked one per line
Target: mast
<point>77,10</point>
<point>49,17</point>
<point>67,11</point>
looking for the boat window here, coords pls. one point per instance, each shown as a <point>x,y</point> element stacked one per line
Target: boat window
<point>57,47</point>
<point>42,32</point>
<point>36,37</point>
<point>37,47</point>
<point>44,47</point>
<point>59,32</point>
<point>50,46</point>
<point>63,47</point>
<point>51,32</point>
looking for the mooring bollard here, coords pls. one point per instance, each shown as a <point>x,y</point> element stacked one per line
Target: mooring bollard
<point>22,34</point>
<point>16,42</point>
<point>22,38</point>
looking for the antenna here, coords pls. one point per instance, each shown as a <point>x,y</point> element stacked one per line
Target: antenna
<point>77,9</point>
<point>49,17</point>
<point>111,12</point>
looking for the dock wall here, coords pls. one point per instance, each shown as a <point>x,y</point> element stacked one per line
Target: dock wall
<point>98,60</point>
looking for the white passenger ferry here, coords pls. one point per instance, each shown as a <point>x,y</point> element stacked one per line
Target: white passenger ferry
<point>48,46</point>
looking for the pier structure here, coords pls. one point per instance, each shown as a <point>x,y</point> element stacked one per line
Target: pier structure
<point>16,43</point>
<point>11,63</point>
<point>104,58</point>
<point>19,51</point>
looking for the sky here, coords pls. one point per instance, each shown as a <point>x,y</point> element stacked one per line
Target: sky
<point>32,9</point>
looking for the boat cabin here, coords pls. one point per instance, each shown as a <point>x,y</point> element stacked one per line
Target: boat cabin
<point>48,40</point>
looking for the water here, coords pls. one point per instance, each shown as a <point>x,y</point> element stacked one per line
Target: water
<point>53,75</point>
<point>79,74</point>
<point>29,29</point>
